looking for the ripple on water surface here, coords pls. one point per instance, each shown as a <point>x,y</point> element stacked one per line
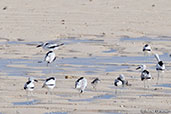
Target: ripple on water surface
<point>106,96</point>
<point>26,102</point>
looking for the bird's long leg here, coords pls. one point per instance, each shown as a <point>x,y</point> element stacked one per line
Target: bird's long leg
<point>48,92</point>
<point>161,76</point>
<point>158,75</point>
<point>51,91</point>
<point>144,57</point>
<point>144,84</point>
<point>31,94</point>
<point>27,95</point>
<point>94,87</point>
<point>80,93</point>
<point>116,90</point>
<point>147,84</point>
<point>51,69</point>
<point>51,95</point>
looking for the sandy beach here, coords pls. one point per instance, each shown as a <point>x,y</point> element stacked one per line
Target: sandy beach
<point>102,38</point>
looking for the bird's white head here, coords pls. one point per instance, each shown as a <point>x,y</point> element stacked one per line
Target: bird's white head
<point>122,77</point>
<point>32,79</point>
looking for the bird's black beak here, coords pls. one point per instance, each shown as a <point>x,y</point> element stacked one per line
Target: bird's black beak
<point>138,68</point>
<point>61,44</point>
<point>36,80</point>
<point>39,45</point>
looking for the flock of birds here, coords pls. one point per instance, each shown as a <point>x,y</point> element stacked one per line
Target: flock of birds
<point>81,83</point>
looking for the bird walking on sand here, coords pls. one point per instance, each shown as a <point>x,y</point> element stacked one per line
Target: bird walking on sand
<point>50,46</point>
<point>29,85</point>
<point>120,81</point>
<point>81,84</point>
<point>49,83</point>
<point>50,57</point>
<point>95,82</point>
<point>160,66</point>
<point>145,74</point>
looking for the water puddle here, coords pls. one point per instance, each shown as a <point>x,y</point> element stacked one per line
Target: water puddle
<point>147,39</point>
<point>150,95</point>
<point>106,96</point>
<point>19,67</point>
<point>76,40</point>
<point>56,113</point>
<point>112,113</point>
<point>164,85</point>
<point>110,51</point>
<point>71,40</point>
<point>90,65</point>
<point>33,102</point>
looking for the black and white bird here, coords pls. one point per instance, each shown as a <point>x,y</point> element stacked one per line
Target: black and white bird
<point>120,81</point>
<point>50,57</point>
<point>81,84</point>
<point>50,46</point>
<point>145,74</point>
<point>147,48</point>
<point>95,82</point>
<point>29,85</point>
<point>160,66</point>
<point>49,83</point>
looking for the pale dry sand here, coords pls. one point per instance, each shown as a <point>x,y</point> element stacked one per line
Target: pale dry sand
<point>25,23</point>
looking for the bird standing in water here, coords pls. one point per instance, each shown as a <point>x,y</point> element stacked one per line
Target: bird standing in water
<point>29,85</point>
<point>120,81</point>
<point>160,67</point>
<point>49,83</point>
<point>145,74</point>
<point>50,57</point>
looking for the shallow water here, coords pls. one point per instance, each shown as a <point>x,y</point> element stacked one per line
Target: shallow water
<point>56,113</point>
<point>106,96</point>
<point>162,38</point>
<point>146,95</point>
<point>164,85</point>
<point>26,102</point>
<point>112,113</point>
<point>110,51</point>
<point>89,65</point>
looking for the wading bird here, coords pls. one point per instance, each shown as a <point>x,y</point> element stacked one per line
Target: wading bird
<point>49,83</point>
<point>147,49</point>
<point>50,46</point>
<point>95,82</point>
<point>81,84</point>
<point>29,85</point>
<point>120,81</point>
<point>50,57</point>
<point>145,74</point>
<point>160,66</point>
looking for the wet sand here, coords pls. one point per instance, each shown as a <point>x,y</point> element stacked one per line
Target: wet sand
<point>102,39</point>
